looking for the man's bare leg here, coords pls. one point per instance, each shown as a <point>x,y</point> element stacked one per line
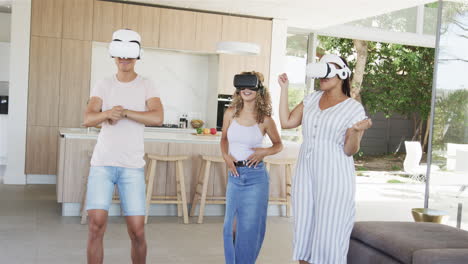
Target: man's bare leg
<point>96,229</point>
<point>136,231</point>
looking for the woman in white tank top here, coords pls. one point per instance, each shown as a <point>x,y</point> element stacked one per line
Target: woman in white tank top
<point>244,126</point>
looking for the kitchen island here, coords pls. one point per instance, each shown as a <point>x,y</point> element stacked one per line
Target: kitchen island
<point>76,146</point>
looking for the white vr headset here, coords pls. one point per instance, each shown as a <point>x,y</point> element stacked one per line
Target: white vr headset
<point>326,69</point>
<point>125,44</point>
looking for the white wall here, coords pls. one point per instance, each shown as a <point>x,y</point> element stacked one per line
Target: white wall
<point>4,61</point>
<point>18,92</point>
<point>278,62</point>
<point>187,81</point>
<point>3,139</point>
<point>5,27</point>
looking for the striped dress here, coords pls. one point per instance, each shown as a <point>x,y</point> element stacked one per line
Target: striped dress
<point>324,183</point>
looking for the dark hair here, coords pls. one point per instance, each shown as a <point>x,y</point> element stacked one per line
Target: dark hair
<point>346,87</point>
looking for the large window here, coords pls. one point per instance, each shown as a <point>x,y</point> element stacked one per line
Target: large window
<point>296,61</point>
<point>449,173</point>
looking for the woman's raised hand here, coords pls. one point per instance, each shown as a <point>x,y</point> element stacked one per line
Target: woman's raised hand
<point>362,125</point>
<point>283,81</point>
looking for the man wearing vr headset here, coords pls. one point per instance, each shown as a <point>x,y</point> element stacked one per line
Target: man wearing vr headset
<point>324,183</point>
<point>123,104</point>
<point>245,125</point>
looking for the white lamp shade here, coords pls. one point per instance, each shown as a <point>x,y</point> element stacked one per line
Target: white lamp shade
<point>237,48</point>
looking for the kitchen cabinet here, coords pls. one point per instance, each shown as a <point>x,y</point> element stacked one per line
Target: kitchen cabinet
<point>144,20</point>
<point>41,152</point>
<point>62,32</point>
<point>74,81</point>
<point>245,30</point>
<point>44,81</point>
<point>46,18</point>
<point>76,147</point>
<point>235,28</point>
<point>229,65</point>
<point>208,33</point>
<point>78,19</point>
<point>177,29</point>
<point>259,32</point>
<point>107,18</point>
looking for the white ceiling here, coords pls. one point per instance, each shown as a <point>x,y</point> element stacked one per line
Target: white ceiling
<point>305,14</point>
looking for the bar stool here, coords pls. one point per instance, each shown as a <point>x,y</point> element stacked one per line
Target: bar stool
<point>180,199</point>
<point>84,187</point>
<point>201,195</point>
<point>288,163</point>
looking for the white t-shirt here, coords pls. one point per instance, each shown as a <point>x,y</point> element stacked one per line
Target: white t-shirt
<point>122,144</point>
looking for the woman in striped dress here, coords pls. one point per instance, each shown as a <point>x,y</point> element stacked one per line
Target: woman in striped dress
<point>324,183</point>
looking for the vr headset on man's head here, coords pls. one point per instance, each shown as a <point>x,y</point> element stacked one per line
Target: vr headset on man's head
<point>247,81</point>
<point>326,68</point>
<point>125,44</point>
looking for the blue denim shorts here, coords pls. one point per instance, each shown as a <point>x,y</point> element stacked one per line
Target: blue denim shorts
<point>130,183</point>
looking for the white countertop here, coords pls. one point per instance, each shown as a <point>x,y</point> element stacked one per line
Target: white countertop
<point>175,135</point>
<point>151,134</point>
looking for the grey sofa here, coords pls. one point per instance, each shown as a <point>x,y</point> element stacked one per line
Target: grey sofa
<point>407,243</point>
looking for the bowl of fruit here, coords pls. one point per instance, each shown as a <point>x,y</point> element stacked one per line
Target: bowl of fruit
<point>197,123</point>
<point>206,131</point>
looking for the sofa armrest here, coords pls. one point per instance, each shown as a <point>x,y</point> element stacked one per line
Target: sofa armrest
<point>441,256</point>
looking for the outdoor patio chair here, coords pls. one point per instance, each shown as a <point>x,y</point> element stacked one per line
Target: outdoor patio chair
<point>411,164</point>
<point>461,166</point>
<point>453,158</point>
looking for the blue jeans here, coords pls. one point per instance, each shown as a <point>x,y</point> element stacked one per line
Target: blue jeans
<point>247,202</point>
<point>130,183</point>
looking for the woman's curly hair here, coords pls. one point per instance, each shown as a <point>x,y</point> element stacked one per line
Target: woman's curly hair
<point>262,101</point>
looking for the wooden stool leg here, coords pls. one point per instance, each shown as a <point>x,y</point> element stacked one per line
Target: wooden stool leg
<point>288,189</point>
<point>225,180</point>
<point>183,194</point>
<point>179,206</point>
<point>149,187</point>
<point>204,191</point>
<point>198,187</point>
<point>83,211</point>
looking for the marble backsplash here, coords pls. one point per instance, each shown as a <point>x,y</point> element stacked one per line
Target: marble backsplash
<point>187,82</point>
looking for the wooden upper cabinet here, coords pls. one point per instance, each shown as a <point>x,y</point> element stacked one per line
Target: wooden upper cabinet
<point>145,21</point>
<point>46,18</point>
<point>235,28</point>
<point>259,31</point>
<point>74,81</point>
<point>229,65</point>
<point>44,80</point>
<point>209,30</point>
<point>177,30</point>
<point>78,19</point>
<point>107,18</point>
<point>245,30</point>
<point>41,150</point>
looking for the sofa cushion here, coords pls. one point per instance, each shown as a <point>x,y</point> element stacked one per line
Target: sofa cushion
<point>360,253</point>
<point>401,239</point>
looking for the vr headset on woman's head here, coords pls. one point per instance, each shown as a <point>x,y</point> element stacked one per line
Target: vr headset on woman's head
<point>247,81</point>
<point>125,44</point>
<point>326,68</point>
